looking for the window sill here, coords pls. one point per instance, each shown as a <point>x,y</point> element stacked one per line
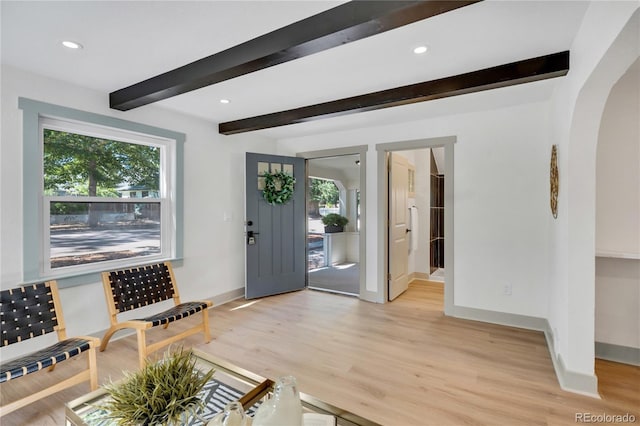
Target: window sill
<point>77,278</point>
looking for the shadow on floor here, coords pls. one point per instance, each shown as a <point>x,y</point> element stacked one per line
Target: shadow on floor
<point>343,278</point>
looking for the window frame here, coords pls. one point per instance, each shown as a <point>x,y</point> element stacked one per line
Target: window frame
<point>167,211</point>
<point>36,258</point>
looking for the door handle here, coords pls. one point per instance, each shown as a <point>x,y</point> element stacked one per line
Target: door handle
<point>251,237</point>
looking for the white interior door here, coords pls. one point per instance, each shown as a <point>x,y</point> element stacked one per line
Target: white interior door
<point>398,225</point>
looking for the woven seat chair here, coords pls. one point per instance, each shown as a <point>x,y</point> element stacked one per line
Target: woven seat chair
<point>134,288</point>
<point>31,311</point>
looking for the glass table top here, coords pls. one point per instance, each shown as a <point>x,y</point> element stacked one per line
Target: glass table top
<point>229,383</point>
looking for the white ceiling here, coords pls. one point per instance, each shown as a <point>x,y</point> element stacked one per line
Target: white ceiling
<point>126,42</point>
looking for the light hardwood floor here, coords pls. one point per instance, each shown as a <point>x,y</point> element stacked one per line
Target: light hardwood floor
<point>402,363</point>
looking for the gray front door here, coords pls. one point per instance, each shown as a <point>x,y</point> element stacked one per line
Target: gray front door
<point>275,234</point>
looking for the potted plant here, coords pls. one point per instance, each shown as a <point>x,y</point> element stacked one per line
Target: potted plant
<point>334,222</point>
<point>164,392</point>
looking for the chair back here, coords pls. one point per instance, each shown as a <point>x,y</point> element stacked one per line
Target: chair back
<point>27,312</point>
<point>136,287</point>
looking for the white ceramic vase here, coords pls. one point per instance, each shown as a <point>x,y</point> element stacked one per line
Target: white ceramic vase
<point>233,415</point>
<point>283,408</point>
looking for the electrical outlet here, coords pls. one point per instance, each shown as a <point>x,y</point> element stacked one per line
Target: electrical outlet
<point>507,289</point>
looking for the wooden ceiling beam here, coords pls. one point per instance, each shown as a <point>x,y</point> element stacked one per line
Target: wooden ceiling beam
<point>340,25</point>
<point>525,71</point>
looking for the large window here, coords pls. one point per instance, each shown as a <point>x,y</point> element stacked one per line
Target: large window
<point>106,197</point>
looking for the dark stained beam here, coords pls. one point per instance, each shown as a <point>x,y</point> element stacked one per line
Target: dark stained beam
<point>343,24</point>
<point>525,71</point>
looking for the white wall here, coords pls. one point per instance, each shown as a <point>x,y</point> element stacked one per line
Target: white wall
<point>618,215</point>
<point>617,302</point>
<point>213,186</point>
<point>618,169</point>
<point>576,110</point>
<point>501,202</point>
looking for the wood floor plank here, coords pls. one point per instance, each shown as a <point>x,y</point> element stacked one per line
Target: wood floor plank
<point>401,363</point>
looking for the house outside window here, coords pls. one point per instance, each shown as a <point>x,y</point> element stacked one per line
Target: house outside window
<point>92,218</point>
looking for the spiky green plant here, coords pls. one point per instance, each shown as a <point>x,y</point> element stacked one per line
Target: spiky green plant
<point>161,393</point>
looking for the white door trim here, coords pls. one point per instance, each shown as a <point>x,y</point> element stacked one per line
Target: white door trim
<point>383,219</point>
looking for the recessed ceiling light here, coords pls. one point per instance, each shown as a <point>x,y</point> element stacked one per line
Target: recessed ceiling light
<point>420,50</point>
<point>224,101</point>
<point>71,44</point>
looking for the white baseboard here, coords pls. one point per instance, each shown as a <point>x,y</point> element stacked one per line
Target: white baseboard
<point>418,276</point>
<point>617,353</point>
<point>571,381</point>
<point>223,298</point>
<point>502,318</point>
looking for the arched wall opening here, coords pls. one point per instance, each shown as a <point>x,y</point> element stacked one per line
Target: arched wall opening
<point>617,267</point>
<point>576,347</point>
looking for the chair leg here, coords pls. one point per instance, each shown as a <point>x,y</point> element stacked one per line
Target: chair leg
<point>93,369</point>
<point>205,324</point>
<point>105,339</point>
<point>142,348</point>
